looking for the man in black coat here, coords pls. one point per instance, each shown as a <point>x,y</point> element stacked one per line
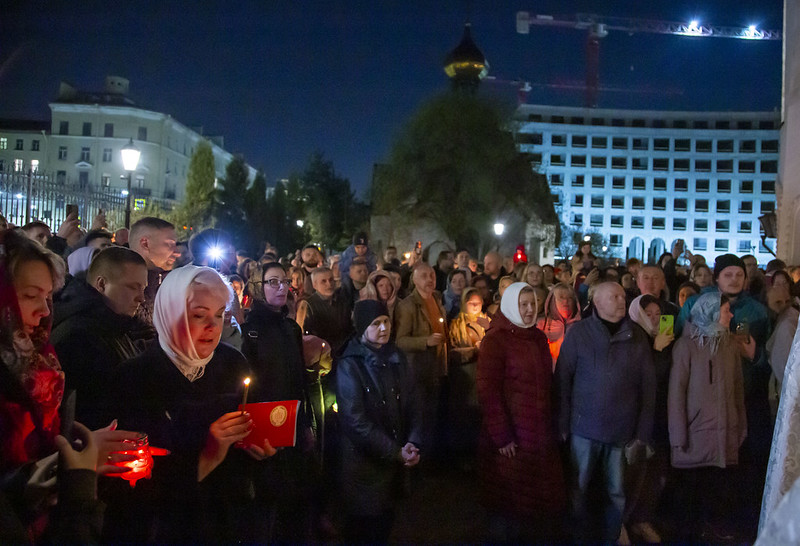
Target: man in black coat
<point>92,323</point>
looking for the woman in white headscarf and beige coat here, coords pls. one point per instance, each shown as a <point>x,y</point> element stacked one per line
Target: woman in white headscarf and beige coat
<point>183,392</point>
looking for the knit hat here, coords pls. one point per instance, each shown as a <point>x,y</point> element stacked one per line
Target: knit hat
<point>360,238</point>
<point>727,260</point>
<point>365,311</point>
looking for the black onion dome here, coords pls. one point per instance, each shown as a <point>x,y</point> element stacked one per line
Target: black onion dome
<point>466,61</point>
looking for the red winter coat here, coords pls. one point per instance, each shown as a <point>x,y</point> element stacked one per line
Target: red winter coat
<point>514,380</point>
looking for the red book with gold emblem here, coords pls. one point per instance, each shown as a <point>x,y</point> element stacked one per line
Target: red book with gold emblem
<point>276,421</point>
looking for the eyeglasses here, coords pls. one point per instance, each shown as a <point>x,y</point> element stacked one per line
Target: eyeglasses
<point>276,283</point>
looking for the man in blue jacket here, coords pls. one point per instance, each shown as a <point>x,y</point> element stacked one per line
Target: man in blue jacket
<point>605,380</point>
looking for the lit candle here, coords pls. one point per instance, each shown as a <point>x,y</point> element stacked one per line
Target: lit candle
<point>246,390</point>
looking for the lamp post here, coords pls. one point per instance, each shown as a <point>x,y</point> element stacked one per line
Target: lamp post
<point>499,229</point>
<point>130,160</point>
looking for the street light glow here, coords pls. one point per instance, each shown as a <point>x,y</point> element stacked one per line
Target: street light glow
<point>587,238</point>
<point>18,196</point>
<point>124,193</point>
<point>130,156</point>
<point>499,229</point>
<point>300,223</point>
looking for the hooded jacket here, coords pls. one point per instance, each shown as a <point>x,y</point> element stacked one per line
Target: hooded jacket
<point>91,340</point>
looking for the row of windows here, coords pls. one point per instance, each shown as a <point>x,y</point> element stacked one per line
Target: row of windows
<point>19,165</point>
<point>749,146</point>
<point>702,185</point>
<point>660,223</point>
<point>764,125</point>
<point>105,179</point>
<point>723,206</point>
<point>665,164</point>
<point>108,130</point>
<point>19,144</point>
<point>701,244</point>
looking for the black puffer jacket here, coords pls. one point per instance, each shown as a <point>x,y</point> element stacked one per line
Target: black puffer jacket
<point>90,340</point>
<point>379,412</point>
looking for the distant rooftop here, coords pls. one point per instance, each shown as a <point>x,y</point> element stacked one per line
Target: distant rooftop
<point>115,93</point>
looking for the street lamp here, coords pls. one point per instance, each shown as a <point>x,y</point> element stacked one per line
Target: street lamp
<point>499,229</point>
<point>130,160</point>
<point>300,223</point>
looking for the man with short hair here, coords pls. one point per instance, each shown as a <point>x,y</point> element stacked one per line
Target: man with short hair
<point>323,313</point>
<point>98,238</point>
<point>311,259</point>
<point>38,231</point>
<point>93,324</point>
<point>651,281</point>
<point>121,237</point>
<point>422,335</point>
<point>493,269</point>
<point>605,380</point>
<point>359,249</point>
<point>390,256</point>
<point>351,286</point>
<point>155,240</point>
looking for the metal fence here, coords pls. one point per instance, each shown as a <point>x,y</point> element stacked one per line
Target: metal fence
<point>33,196</point>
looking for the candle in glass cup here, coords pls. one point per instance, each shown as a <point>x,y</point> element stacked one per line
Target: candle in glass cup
<point>246,391</point>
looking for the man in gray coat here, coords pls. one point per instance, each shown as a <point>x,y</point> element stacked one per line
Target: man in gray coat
<point>605,381</point>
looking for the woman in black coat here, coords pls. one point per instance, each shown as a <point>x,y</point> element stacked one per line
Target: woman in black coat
<point>183,392</point>
<point>380,419</point>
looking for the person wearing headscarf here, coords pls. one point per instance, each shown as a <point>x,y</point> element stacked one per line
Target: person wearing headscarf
<point>380,287</point>
<point>380,415</point>
<point>561,311</point>
<point>183,392</point>
<point>645,480</point>
<point>466,333</point>
<point>707,419</point>
<point>519,466</point>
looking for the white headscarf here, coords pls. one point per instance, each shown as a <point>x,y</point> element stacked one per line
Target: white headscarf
<point>171,321</point>
<point>640,317</point>
<point>79,261</point>
<point>509,305</point>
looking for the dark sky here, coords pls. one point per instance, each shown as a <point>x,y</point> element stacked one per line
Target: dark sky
<point>282,79</point>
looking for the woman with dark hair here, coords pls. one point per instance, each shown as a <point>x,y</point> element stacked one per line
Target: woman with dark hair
<point>519,463</point>
<point>381,418</point>
<point>701,275</point>
<point>183,394</point>
<point>456,283</point>
<point>549,273</point>
<point>686,291</point>
<point>781,278</point>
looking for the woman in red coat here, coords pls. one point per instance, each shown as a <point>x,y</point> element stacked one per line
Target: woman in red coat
<point>521,475</point>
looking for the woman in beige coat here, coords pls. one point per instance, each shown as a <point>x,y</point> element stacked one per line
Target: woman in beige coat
<point>707,421</point>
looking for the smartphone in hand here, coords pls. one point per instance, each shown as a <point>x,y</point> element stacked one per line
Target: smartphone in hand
<point>666,325</point>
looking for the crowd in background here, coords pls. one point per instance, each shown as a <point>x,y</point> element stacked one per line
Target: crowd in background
<point>595,402</point>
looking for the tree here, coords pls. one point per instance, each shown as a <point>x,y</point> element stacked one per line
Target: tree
<point>256,213</point>
<point>229,210</point>
<point>196,210</point>
<point>332,211</point>
<point>456,163</point>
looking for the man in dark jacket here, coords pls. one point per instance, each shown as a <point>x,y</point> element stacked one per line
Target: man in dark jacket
<point>91,326</point>
<point>606,385</point>
<point>273,347</point>
<point>326,312</point>
<point>651,280</point>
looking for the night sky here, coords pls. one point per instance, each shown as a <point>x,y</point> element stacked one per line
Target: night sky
<point>282,79</point>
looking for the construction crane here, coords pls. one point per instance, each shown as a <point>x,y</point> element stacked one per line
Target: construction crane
<point>597,27</point>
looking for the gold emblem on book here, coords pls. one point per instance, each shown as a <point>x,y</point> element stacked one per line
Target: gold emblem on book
<point>278,416</point>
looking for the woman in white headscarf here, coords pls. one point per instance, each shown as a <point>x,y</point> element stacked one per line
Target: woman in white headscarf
<point>521,475</point>
<point>183,393</point>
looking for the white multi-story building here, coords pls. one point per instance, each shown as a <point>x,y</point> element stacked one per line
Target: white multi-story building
<point>644,179</point>
<point>81,144</point>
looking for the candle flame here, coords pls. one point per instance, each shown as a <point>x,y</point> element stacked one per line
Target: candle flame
<point>246,380</point>
<point>441,319</point>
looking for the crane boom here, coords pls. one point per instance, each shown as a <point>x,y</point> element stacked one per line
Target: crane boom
<point>597,27</point>
<point>586,21</point>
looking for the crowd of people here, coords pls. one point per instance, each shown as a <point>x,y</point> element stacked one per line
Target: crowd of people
<point>595,402</point>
